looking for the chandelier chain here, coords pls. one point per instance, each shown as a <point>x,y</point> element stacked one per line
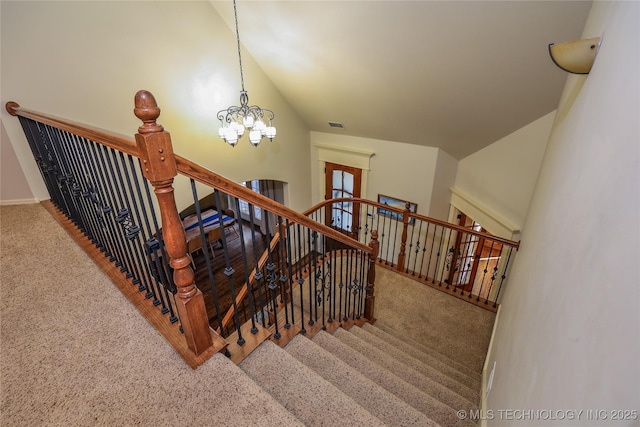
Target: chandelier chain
<point>235,14</point>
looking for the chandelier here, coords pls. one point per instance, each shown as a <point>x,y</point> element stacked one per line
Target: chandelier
<point>234,120</point>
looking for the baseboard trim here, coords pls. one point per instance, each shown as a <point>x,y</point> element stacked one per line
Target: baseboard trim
<point>19,202</point>
<point>485,370</point>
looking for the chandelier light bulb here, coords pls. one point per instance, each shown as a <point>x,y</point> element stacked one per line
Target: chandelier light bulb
<point>254,137</point>
<point>231,136</point>
<point>270,132</point>
<point>238,128</point>
<point>248,121</point>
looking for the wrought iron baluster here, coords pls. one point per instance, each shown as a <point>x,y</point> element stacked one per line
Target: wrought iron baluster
<point>170,287</point>
<point>207,259</point>
<point>94,199</point>
<point>395,240</point>
<point>252,308</point>
<point>271,280</point>
<point>284,298</point>
<point>503,275</point>
<point>259,276</point>
<point>435,274</point>
<point>141,215</point>
<point>341,285</point>
<point>493,274</point>
<point>107,190</point>
<point>65,179</point>
<point>82,190</point>
<point>310,242</point>
<point>76,182</point>
<point>300,264</point>
<point>449,251</point>
<point>288,238</point>
<point>417,251</point>
<point>349,283</point>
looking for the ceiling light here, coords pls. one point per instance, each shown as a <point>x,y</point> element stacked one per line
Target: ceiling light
<point>234,119</point>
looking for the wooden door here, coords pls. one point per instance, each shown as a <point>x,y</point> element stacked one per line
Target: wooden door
<point>343,181</point>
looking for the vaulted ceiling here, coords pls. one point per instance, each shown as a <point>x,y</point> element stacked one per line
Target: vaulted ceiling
<point>458,75</point>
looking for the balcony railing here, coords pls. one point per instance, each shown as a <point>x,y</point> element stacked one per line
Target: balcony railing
<point>461,261</point>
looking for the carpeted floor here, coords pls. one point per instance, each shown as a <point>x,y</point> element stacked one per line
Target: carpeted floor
<point>75,352</point>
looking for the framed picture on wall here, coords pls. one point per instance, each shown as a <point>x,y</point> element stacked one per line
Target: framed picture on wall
<point>393,202</point>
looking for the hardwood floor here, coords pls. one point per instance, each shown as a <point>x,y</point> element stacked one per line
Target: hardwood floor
<point>220,282</point>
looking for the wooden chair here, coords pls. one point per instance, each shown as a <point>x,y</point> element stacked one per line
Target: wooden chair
<point>195,244</point>
<point>231,224</point>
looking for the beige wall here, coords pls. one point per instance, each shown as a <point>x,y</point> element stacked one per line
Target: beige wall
<point>86,61</point>
<point>568,336</point>
<point>502,176</point>
<point>409,172</point>
<point>14,188</point>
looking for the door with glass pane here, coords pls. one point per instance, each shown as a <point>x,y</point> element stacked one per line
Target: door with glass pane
<point>343,182</point>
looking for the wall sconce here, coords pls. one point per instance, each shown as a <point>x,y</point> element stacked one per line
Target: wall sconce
<point>576,56</point>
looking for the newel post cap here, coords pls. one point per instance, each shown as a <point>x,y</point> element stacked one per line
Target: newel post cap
<point>147,110</point>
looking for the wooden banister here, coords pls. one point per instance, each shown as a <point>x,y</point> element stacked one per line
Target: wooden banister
<point>159,167</point>
<point>110,139</point>
<point>369,304</point>
<point>400,213</point>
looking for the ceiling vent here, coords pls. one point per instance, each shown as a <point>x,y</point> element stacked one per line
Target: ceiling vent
<point>336,125</point>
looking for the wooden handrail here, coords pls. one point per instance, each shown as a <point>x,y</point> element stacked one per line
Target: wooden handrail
<point>185,167</point>
<point>119,142</point>
<point>212,179</point>
<point>400,212</point>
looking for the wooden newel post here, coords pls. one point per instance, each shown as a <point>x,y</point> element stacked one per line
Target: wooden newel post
<point>159,167</point>
<point>369,303</point>
<point>403,242</point>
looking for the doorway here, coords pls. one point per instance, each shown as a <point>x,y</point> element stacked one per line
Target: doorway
<point>471,254</point>
<point>343,182</point>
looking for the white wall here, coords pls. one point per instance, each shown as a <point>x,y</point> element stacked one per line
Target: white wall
<point>399,170</point>
<point>502,176</point>
<point>569,330</point>
<point>86,60</point>
<point>445,175</point>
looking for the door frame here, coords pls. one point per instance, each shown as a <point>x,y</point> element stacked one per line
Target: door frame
<point>357,193</point>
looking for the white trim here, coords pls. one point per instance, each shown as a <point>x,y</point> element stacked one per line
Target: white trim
<point>490,220</point>
<point>18,202</point>
<point>347,156</point>
<point>485,369</point>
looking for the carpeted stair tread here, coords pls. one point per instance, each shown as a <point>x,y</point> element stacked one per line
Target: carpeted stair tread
<point>378,401</point>
<point>428,385</point>
<point>423,402</point>
<point>312,399</point>
<point>251,405</point>
<point>418,351</point>
<point>428,369</point>
<point>432,352</point>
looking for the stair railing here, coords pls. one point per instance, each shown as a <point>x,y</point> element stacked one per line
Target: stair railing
<point>102,182</point>
<point>459,260</point>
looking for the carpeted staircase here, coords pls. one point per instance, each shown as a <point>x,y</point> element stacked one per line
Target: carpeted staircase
<point>364,376</point>
<point>99,362</point>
